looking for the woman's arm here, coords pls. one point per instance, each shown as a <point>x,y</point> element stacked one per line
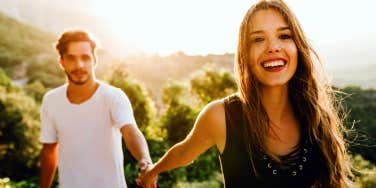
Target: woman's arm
<point>208,130</point>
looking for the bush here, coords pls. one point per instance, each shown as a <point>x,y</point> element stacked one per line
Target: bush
<point>364,171</point>
<point>210,84</point>
<point>143,107</point>
<point>19,133</point>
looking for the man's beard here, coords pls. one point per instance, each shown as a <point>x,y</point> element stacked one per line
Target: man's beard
<point>79,82</point>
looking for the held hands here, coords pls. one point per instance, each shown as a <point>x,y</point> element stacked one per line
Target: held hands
<point>145,178</point>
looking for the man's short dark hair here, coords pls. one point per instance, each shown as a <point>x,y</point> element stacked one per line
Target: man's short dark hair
<point>74,36</point>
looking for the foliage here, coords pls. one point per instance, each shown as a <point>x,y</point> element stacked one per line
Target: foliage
<point>364,171</point>
<point>143,106</point>
<point>181,113</point>
<point>36,90</point>
<point>6,82</point>
<point>30,183</point>
<point>210,84</point>
<point>215,181</point>
<point>131,168</point>
<point>178,121</point>
<point>174,93</point>
<point>144,112</point>
<point>204,166</point>
<point>27,53</point>
<point>46,70</point>
<point>20,43</point>
<point>19,133</point>
<point>9,62</point>
<point>361,121</point>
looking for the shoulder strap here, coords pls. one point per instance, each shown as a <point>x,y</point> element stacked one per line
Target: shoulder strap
<point>233,110</point>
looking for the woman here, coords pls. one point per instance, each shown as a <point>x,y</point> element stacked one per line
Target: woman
<point>281,129</point>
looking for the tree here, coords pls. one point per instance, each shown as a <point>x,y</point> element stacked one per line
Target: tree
<point>144,112</point>
<point>210,84</point>
<point>36,90</point>
<point>143,106</point>
<point>19,133</point>
<point>178,119</point>
<point>6,82</point>
<point>46,70</point>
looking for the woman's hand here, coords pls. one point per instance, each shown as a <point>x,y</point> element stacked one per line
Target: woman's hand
<point>146,178</point>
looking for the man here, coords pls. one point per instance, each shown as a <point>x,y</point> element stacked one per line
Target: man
<point>83,122</point>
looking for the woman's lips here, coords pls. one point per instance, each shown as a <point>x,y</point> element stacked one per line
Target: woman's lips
<point>274,65</point>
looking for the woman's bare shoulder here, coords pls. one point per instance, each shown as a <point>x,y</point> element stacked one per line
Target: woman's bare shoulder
<point>215,121</point>
<point>214,110</point>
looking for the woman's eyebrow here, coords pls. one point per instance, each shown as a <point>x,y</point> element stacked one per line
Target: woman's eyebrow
<point>279,29</point>
<point>256,32</point>
<point>284,28</point>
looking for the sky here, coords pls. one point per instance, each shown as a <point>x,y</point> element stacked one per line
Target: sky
<point>343,32</point>
<point>199,27</point>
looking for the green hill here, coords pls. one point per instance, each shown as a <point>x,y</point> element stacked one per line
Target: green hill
<point>25,51</point>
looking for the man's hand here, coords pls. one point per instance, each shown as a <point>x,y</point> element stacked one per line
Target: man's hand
<point>136,143</point>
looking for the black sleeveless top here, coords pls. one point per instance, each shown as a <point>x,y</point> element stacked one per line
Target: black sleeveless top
<point>298,169</point>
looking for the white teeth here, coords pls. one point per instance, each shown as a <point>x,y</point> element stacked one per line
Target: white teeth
<point>273,64</point>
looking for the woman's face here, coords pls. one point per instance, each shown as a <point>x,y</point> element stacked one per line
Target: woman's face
<point>273,53</point>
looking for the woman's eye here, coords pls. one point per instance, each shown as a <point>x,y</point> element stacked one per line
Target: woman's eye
<point>258,39</point>
<point>285,36</point>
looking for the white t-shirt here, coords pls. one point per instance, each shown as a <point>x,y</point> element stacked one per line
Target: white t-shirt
<point>90,147</point>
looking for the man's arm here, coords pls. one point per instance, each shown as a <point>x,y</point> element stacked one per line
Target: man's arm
<point>136,144</point>
<point>48,164</point>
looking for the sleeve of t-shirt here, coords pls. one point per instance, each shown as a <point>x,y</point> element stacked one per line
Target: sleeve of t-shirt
<point>121,110</point>
<point>48,128</point>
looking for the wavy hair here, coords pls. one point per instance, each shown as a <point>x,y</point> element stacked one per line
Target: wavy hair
<point>75,35</point>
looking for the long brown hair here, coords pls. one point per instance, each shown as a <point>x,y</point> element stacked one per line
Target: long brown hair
<point>312,99</point>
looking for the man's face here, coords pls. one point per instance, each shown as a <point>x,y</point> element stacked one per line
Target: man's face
<point>78,62</point>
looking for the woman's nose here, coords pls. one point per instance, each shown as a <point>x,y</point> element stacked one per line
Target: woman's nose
<point>274,46</point>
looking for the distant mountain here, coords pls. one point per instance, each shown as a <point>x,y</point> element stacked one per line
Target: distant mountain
<point>58,15</point>
<point>21,44</point>
<point>13,33</point>
<point>52,16</point>
<point>351,62</point>
<point>27,53</point>
<point>362,75</point>
<point>155,71</point>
